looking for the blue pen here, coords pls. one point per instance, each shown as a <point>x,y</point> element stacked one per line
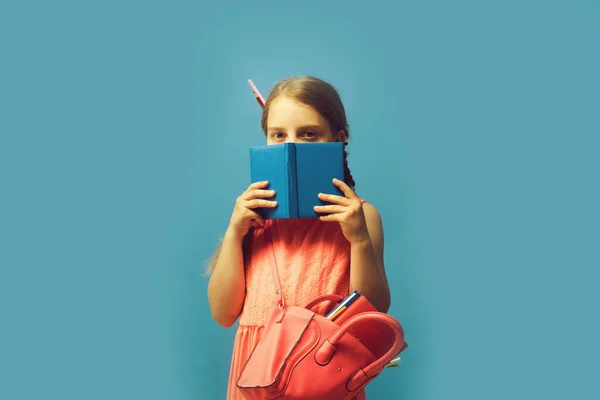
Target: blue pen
<point>345,303</point>
<point>344,307</point>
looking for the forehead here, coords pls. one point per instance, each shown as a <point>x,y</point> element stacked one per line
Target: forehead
<point>287,112</point>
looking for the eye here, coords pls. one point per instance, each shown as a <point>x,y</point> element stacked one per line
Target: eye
<point>310,135</point>
<point>277,135</point>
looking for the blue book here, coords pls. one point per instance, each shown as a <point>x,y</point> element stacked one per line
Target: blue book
<point>297,172</point>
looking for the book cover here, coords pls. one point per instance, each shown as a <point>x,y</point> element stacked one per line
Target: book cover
<point>316,166</point>
<point>276,164</point>
<point>297,172</point>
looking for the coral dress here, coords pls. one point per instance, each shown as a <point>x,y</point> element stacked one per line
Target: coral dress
<point>312,257</point>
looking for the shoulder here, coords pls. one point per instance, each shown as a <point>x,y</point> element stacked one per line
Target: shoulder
<point>371,212</point>
<point>373,220</point>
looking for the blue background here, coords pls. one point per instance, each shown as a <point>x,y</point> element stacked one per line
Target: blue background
<point>125,129</point>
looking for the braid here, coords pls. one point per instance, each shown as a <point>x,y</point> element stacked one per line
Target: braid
<point>347,175</point>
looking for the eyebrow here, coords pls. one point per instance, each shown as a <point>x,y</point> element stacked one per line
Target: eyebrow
<point>316,127</point>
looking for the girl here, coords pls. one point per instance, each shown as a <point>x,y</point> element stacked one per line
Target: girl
<point>335,253</point>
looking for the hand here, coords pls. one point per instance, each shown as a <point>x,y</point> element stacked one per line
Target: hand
<point>243,215</point>
<point>347,210</point>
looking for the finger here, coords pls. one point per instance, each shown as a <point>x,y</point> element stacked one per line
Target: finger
<point>258,219</point>
<point>331,217</point>
<point>344,188</point>
<point>256,203</point>
<point>330,209</point>
<point>257,185</point>
<point>332,198</point>
<point>258,194</point>
<point>255,218</point>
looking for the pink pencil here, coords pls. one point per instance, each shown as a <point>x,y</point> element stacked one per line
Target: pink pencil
<point>257,94</point>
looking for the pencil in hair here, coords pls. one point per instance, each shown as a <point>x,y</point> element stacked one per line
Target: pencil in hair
<point>257,95</point>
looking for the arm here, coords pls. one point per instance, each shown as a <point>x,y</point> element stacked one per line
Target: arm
<point>227,284</point>
<point>362,227</point>
<point>367,271</point>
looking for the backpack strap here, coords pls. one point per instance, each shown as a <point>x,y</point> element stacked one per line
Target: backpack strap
<point>268,241</point>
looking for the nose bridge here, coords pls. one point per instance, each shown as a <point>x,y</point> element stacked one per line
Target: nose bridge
<point>291,136</point>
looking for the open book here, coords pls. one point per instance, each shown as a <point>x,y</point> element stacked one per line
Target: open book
<point>297,172</point>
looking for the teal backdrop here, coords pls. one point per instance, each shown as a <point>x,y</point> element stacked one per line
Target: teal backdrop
<point>125,128</point>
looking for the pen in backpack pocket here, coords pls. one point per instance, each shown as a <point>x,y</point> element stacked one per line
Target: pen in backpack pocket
<point>340,308</point>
